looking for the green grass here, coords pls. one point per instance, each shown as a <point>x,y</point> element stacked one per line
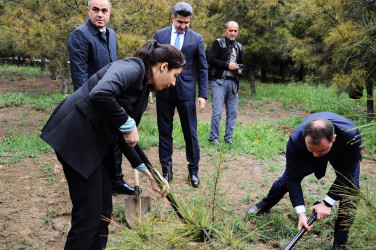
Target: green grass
<point>48,174</point>
<point>14,73</point>
<point>310,97</point>
<point>21,145</point>
<point>34,101</point>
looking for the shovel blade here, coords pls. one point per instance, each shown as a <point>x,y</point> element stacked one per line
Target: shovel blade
<point>134,209</point>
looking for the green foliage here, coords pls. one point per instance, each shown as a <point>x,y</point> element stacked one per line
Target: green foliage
<point>148,131</point>
<point>20,145</point>
<point>48,174</point>
<point>266,139</point>
<point>310,97</point>
<point>367,130</point>
<point>14,73</point>
<point>331,40</point>
<point>200,222</point>
<point>42,101</point>
<point>363,231</point>
<point>262,140</point>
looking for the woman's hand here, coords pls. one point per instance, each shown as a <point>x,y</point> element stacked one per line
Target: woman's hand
<point>154,185</point>
<point>132,137</point>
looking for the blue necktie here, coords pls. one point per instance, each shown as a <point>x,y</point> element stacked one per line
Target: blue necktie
<point>177,41</point>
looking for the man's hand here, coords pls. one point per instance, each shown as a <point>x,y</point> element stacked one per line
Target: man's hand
<point>201,103</point>
<point>322,211</point>
<point>131,138</point>
<point>303,223</point>
<point>233,66</point>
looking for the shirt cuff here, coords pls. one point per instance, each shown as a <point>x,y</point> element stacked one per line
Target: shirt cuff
<point>128,126</point>
<point>300,209</point>
<point>330,200</point>
<point>141,168</point>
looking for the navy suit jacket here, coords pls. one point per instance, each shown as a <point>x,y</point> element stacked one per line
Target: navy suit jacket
<point>88,52</point>
<point>83,126</point>
<point>194,50</point>
<point>344,156</point>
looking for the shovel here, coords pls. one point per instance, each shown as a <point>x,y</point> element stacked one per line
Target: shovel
<point>159,179</point>
<point>137,206</point>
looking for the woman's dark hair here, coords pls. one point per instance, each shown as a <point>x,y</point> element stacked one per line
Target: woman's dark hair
<point>151,53</point>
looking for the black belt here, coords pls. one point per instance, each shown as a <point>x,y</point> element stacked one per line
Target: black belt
<point>230,78</point>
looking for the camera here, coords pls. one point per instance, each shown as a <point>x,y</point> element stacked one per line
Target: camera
<point>239,71</point>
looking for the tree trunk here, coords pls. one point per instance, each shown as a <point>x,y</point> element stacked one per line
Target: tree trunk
<point>282,71</point>
<point>65,87</point>
<point>43,65</point>
<point>370,110</point>
<point>263,74</point>
<point>53,72</point>
<point>252,80</point>
<point>301,73</point>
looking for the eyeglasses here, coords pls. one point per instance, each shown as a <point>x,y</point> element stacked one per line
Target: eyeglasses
<point>97,10</point>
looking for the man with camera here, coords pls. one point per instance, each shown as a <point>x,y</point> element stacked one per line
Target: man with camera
<point>225,67</point>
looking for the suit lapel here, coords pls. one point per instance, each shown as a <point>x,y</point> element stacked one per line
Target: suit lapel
<point>167,38</point>
<point>187,38</point>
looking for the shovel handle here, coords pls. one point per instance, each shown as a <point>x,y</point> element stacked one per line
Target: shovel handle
<point>136,178</point>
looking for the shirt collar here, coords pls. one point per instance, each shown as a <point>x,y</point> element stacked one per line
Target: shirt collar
<point>174,30</point>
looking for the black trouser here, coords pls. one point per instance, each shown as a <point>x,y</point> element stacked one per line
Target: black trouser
<point>91,200</point>
<point>117,172</point>
<point>188,120</point>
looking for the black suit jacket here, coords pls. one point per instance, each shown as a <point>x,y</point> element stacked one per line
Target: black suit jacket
<point>83,126</point>
<point>89,52</point>
<point>344,157</point>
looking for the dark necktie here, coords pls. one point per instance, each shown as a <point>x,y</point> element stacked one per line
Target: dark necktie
<point>104,35</point>
<point>319,173</point>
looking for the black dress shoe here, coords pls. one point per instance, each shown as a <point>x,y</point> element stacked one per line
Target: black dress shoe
<point>123,189</point>
<point>257,208</point>
<point>338,245</point>
<point>194,180</point>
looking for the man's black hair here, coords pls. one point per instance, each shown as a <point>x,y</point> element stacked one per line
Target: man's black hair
<point>317,132</point>
<point>183,9</point>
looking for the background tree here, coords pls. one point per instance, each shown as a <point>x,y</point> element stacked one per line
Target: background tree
<point>353,42</point>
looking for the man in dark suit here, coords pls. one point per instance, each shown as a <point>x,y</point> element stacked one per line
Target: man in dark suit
<point>92,46</point>
<point>321,138</point>
<point>183,95</point>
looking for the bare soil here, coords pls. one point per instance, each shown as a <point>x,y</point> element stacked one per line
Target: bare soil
<point>34,201</point>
